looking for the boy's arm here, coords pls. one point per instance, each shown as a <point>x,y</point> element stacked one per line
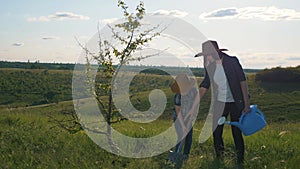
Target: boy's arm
<point>180,118</point>
<point>202,91</point>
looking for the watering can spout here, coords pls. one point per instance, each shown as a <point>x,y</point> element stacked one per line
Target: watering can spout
<point>237,124</point>
<point>222,120</point>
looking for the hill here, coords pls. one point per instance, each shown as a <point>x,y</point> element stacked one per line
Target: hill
<point>30,87</point>
<point>279,75</point>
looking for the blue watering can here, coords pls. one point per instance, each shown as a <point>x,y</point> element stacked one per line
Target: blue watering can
<point>248,123</point>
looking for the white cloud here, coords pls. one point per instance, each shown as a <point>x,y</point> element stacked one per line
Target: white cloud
<point>49,37</point>
<point>175,13</point>
<point>294,58</point>
<point>268,59</point>
<point>264,13</point>
<point>108,21</point>
<point>18,44</point>
<point>58,16</point>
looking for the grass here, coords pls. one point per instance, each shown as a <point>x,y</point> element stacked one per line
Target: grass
<point>28,140</point>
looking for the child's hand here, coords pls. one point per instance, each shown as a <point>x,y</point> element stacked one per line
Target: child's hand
<point>187,116</point>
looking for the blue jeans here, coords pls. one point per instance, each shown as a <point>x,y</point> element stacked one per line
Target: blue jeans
<point>188,139</point>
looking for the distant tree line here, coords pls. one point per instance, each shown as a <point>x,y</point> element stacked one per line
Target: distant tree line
<point>279,75</point>
<point>173,71</point>
<point>157,70</point>
<point>36,65</point>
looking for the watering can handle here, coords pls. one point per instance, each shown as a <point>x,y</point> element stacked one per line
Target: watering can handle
<point>261,114</point>
<point>242,116</point>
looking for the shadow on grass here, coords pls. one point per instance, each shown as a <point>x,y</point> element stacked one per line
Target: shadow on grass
<point>279,87</point>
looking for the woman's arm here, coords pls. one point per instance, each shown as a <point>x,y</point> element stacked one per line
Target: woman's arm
<point>244,87</point>
<point>206,81</point>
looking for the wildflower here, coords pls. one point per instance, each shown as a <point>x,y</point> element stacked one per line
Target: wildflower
<point>281,134</point>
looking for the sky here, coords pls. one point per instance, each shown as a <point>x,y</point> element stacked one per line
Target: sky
<point>261,33</point>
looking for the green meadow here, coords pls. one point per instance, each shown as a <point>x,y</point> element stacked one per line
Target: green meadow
<point>29,138</point>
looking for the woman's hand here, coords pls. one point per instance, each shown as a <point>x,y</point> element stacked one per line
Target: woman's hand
<point>247,109</point>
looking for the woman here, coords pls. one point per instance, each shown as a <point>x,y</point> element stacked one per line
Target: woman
<point>230,93</point>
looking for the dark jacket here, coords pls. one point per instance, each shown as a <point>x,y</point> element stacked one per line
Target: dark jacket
<point>234,73</point>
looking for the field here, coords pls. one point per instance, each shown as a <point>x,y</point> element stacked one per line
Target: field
<point>29,138</point>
